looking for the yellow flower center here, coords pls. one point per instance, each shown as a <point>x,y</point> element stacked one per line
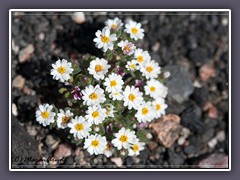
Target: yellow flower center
<point>113,83</point>
<point>152,88</point>
<point>105,39</point>
<point>123,138</point>
<point>131,97</point>
<point>158,107</point>
<point>108,147</point>
<point>95,143</point>
<point>114,26</point>
<point>145,111</point>
<point>132,66</point>
<point>149,69</point>
<point>79,127</point>
<point>45,114</point>
<point>93,96</point>
<point>66,119</point>
<point>98,68</point>
<point>140,59</point>
<point>95,114</point>
<point>127,48</point>
<point>61,69</point>
<point>135,147</point>
<point>134,30</point>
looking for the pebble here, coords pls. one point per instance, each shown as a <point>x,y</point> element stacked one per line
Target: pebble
<point>31,130</point>
<point>14,109</point>
<point>224,21</point>
<point>167,129</point>
<point>181,140</point>
<point>156,47</point>
<point>80,158</point>
<point>152,145</point>
<point>63,150</point>
<point>41,36</point>
<point>206,72</point>
<point>221,136</point>
<point>212,143</point>
<point>118,161</point>
<point>78,17</point>
<point>216,160</point>
<point>25,54</point>
<point>15,48</point>
<point>52,142</point>
<point>18,82</point>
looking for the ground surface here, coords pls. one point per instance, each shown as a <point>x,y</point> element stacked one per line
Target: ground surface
<point>192,46</point>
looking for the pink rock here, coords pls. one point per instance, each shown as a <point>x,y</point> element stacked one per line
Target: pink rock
<point>214,161</point>
<point>207,71</point>
<point>25,53</point>
<point>63,150</point>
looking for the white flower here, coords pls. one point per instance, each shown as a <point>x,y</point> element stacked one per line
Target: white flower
<point>150,69</point>
<point>110,110</point>
<point>79,127</point>
<point>160,107</point>
<point>98,68</point>
<point>136,148</point>
<point>104,39</point>
<point>118,95</point>
<point>114,24</point>
<point>96,114</point>
<point>124,138</point>
<point>142,56</point>
<point>155,89</point>
<point>44,114</point>
<point>127,47</point>
<point>62,70</point>
<point>132,65</point>
<point>134,29</point>
<point>63,118</point>
<point>132,97</point>
<point>113,83</point>
<point>93,95</point>
<point>145,112</point>
<point>95,144</point>
<point>108,150</point>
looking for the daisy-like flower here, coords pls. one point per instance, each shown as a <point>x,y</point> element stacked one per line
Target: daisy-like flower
<point>141,56</point>
<point>63,118</point>
<point>104,39</point>
<point>93,95</point>
<point>113,83</point>
<point>118,95</point>
<point>79,127</point>
<point>96,114</point>
<point>132,97</point>
<point>155,89</point>
<point>145,112</point>
<point>127,47</point>
<point>124,138</point>
<point>98,68</point>
<point>134,29</point>
<point>160,107</point>
<point>132,65</point>
<point>108,151</point>
<point>95,144</point>
<point>136,148</point>
<point>114,24</point>
<point>150,69</point>
<point>44,114</point>
<point>110,110</point>
<point>62,70</point>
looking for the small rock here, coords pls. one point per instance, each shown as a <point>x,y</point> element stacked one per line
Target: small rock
<point>14,109</point>
<point>212,143</point>
<point>15,48</point>
<point>156,47</point>
<point>25,53</point>
<point>31,130</point>
<point>52,141</point>
<point>118,161</point>
<point>18,82</point>
<point>207,71</point>
<point>213,112</point>
<point>80,158</point>
<point>41,36</point>
<point>221,136</point>
<point>181,140</point>
<point>190,151</point>
<point>78,17</point>
<point>174,158</point>
<point>224,21</point>
<point>214,161</point>
<point>152,145</point>
<point>63,150</point>
<point>179,83</point>
<point>199,56</point>
<point>167,129</point>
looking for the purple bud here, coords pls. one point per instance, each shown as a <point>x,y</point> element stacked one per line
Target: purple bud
<point>142,125</point>
<point>120,71</point>
<point>138,83</point>
<point>77,93</point>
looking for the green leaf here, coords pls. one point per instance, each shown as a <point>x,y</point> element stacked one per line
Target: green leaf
<point>62,90</point>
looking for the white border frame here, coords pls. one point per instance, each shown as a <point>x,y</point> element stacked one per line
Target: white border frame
<point>114,10</point>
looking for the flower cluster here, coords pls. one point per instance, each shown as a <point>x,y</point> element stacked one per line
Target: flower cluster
<point>111,99</point>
